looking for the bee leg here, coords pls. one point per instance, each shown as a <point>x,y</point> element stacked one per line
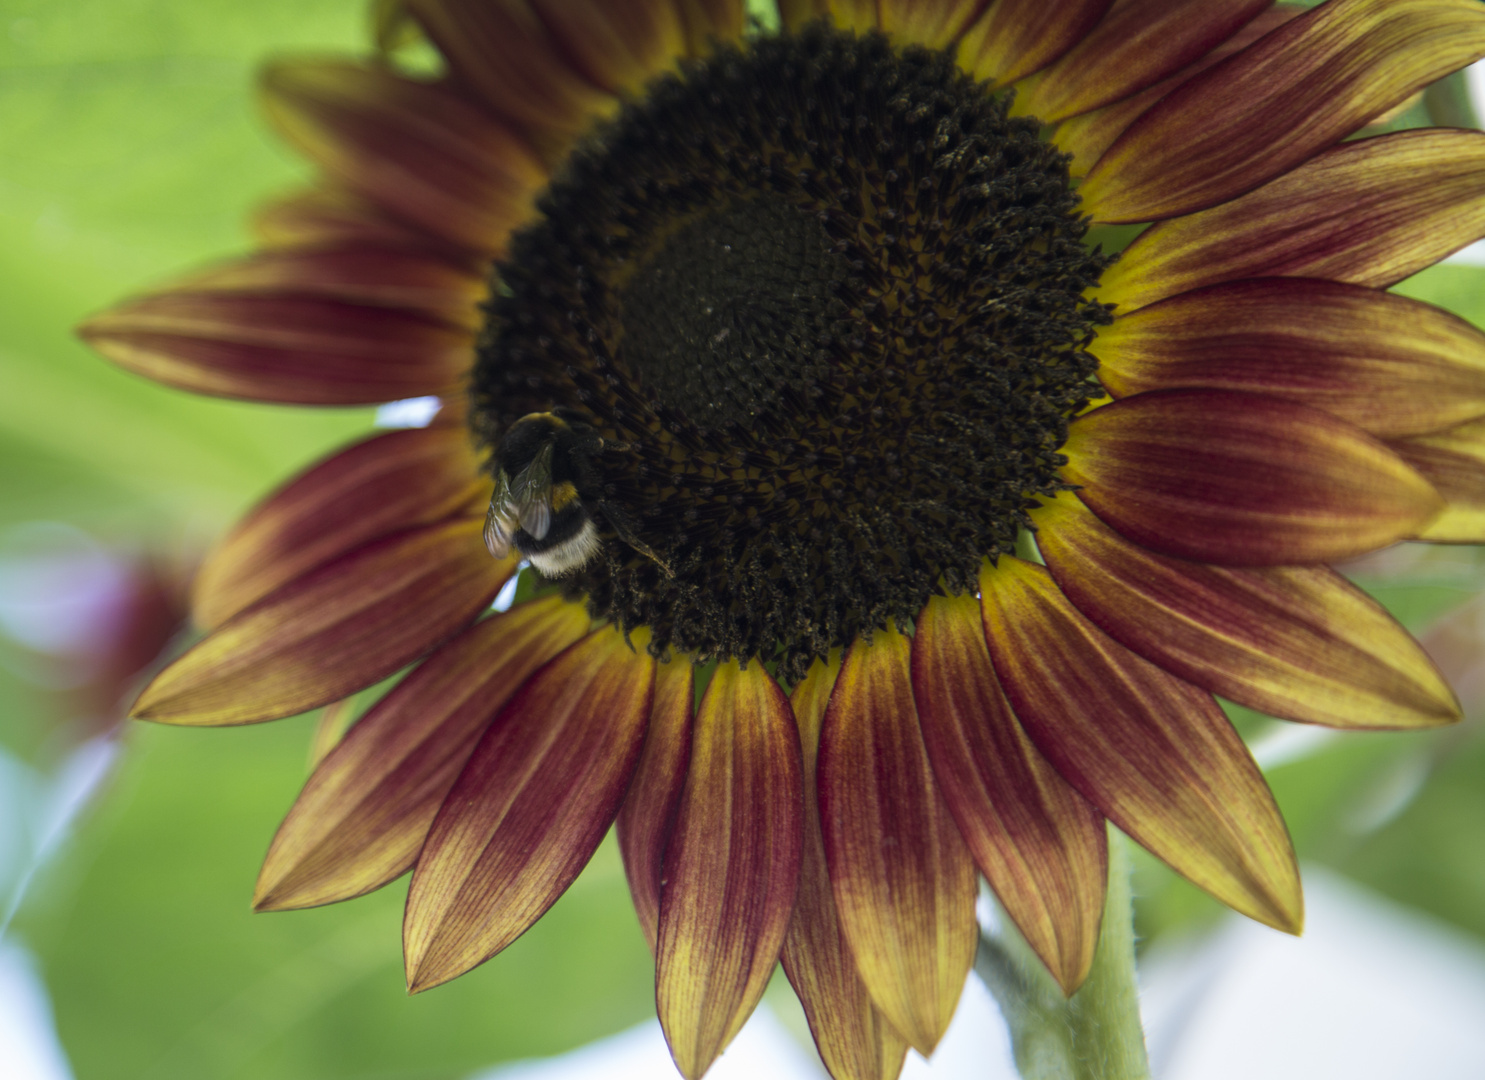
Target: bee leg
<point>624,526</point>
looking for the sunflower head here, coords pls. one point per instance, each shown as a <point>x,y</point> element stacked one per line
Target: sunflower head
<point>825,303</point>
<point>789,351</point>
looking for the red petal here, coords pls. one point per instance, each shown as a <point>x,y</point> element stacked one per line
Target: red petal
<point>1152,752</point>
<point>854,1039</point>
<point>381,485</point>
<point>503,55</point>
<point>731,867</point>
<point>1390,365</point>
<point>1088,135</point>
<point>415,148</point>
<point>360,272</point>
<point>1016,37</point>
<point>1369,212</point>
<point>324,216</point>
<point>903,880</point>
<point>1039,843</point>
<point>1294,641</point>
<point>618,44</point>
<point>338,629</point>
<point>335,720</point>
<point>362,818</point>
<point>529,808</point>
<point>649,809</point>
<point>1453,462</point>
<point>1300,89</point>
<point>1242,479</point>
<point>298,349</point>
<point>1139,43</point>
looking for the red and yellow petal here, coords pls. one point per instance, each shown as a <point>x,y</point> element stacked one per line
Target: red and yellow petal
<point>1453,462</point>
<point>731,865</point>
<point>1015,38</point>
<point>1369,212</point>
<point>329,216</point>
<point>1089,134</point>
<point>342,627</point>
<point>1390,365</point>
<point>502,55</point>
<point>854,1039</point>
<point>288,348</point>
<point>384,484</point>
<point>529,808</point>
<point>374,274</point>
<point>795,14</point>
<point>1042,847</point>
<point>712,22</point>
<point>1242,479</point>
<point>417,149</point>
<point>933,25</point>
<point>362,817</point>
<point>648,813</point>
<point>618,45</point>
<point>1135,46</point>
<point>1152,752</point>
<point>1298,642</point>
<point>902,877</point>
<point>1300,89</point>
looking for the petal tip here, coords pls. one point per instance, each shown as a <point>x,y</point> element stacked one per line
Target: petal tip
<point>1072,972</point>
<point>1292,921</point>
<point>147,706</point>
<point>265,901</point>
<point>420,978</point>
<point>280,893</point>
<point>1281,905</point>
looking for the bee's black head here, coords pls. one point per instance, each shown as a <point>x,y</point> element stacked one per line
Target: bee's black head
<point>572,441</point>
<point>525,439</point>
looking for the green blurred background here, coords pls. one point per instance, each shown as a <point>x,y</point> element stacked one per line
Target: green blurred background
<point>130,149</point>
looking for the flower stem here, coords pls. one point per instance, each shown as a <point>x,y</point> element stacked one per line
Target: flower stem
<point>1096,1033</point>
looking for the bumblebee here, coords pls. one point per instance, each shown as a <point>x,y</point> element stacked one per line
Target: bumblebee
<point>544,460</point>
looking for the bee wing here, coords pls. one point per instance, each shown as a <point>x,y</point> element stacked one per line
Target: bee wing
<point>531,494</point>
<point>500,525</point>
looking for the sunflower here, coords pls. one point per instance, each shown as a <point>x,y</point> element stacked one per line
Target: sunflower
<point>882,528</point>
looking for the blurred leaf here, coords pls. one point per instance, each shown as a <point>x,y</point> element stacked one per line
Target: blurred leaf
<point>1432,855</point>
<point>133,151</point>
<point>1458,287</point>
<point>159,969</point>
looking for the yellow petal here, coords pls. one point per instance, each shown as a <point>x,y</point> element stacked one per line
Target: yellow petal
<point>903,879</point>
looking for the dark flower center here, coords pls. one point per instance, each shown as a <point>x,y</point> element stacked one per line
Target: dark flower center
<point>824,305</point>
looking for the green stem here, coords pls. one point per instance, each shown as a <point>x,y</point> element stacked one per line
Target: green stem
<point>1096,1033</point>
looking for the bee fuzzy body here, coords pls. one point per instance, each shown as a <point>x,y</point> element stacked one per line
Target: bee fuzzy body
<point>571,538</point>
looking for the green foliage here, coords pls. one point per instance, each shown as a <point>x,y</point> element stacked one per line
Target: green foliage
<point>159,969</point>
<point>132,150</point>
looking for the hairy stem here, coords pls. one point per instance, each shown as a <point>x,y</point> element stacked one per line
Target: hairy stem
<point>1096,1033</point>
